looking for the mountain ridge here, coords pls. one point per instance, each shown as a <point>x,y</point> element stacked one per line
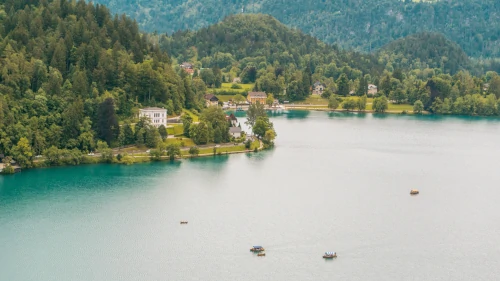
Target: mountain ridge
<point>351,24</point>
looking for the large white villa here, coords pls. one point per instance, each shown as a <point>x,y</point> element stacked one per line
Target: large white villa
<point>157,116</point>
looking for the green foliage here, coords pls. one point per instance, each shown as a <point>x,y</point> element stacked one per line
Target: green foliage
<point>255,111</point>
<point>248,144</point>
<point>361,25</point>
<point>218,128</point>
<point>200,133</point>
<point>349,104</point>
<point>187,120</point>
<point>425,49</point>
<point>107,126</point>
<point>343,85</point>
<point>155,154</point>
<point>194,151</point>
<point>71,71</point>
<point>163,132</point>
<point>361,103</point>
<point>269,137</point>
<point>380,104</point>
<point>418,107</point>
<point>239,99</point>
<point>127,159</point>
<point>105,151</point>
<point>173,150</point>
<point>8,170</point>
<point>398,95</point>
<point>333,102</point>
<point>22,153</point>
<point>264,130</point>
<point>270,100</point>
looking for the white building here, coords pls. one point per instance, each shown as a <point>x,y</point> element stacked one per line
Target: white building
<point>157,116</point>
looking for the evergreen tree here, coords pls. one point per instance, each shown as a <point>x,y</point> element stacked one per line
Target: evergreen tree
<point>129,137</point>
<point>107,126</point>
<point>363,87</point>
<point>343,85</point>
<point>217,77</point>
<point>163,132</point>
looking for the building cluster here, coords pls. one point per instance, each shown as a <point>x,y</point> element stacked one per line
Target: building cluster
<point>318,88</point>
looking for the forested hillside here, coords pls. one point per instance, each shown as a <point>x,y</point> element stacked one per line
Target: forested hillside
<point>261,50</point>
<point>425,49</point>
<point>71,71</point>
<point>364,25</point>
<point>424,71</point>
<point>264,38</point>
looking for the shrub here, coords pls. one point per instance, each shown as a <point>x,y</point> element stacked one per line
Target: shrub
<point>194,151</point>
<point>248,144</point>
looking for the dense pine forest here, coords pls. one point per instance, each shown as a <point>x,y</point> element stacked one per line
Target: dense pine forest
<point>363,25</point>
<point>70,71</point>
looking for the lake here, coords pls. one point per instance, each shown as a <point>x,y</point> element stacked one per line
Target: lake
<point>335,182</point>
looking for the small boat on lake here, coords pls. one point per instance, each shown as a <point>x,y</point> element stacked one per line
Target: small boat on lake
<point>257,249</point>
<point>184,222</point>
<point>330,255</point>
<point>261,254</point>
<point>414,192</point>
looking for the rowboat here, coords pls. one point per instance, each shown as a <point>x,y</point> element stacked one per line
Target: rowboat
<point>184,222</point>
<point>330,255</point>
<point>257,249</point>
<point>414,192</point>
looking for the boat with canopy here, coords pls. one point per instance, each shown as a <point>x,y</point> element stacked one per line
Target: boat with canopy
<point>330,255</point>
<point>257,249</point>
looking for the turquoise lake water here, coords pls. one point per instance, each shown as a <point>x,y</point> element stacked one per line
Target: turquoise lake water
<point>335,182</point>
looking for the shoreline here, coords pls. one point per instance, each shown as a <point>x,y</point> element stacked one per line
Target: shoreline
<point>92,160</point>
<point>321,108</point>
<point>389,112</point>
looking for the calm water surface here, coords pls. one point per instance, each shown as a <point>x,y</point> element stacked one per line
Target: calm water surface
<point>335,182</point>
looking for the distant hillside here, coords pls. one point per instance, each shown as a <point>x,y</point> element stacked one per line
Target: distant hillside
<point>432,50</point>
<point>364,25</point>
<point>257,35</point>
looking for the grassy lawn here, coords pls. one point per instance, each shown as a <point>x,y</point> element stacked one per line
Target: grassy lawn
<point>190,113</point>
<point>223,150</point>
<point>227,87</point>
<point>187,141</point>
<point>225,98</point>
<point>175,129</point>
<point>314,100</point>
<point>245,87</point>
<point>400,107</point>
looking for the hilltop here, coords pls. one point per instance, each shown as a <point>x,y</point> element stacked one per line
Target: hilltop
<point>431,50</point>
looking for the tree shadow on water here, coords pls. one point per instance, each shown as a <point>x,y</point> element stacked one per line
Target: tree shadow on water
<point>346,115</point>
<point>261,155</point>
<point>298,114</point>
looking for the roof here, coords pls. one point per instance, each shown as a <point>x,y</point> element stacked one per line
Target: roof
<point>186,64</point>
<point>233,130</point>
<point>318,84</point>
<point>257,95</point>
<point>211,97</point>
<point>371,86</point>
<point>153,108</point>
